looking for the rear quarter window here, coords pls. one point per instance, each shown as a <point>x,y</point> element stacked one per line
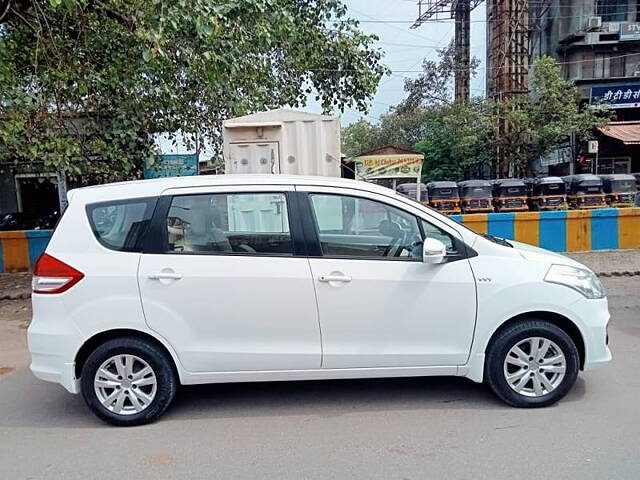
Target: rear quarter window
<point>120,225</point>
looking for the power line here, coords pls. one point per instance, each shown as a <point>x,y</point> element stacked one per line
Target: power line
<point>392,72</point>
<point>449,20</point>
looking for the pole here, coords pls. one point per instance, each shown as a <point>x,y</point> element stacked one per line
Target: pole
<point>462,16</point>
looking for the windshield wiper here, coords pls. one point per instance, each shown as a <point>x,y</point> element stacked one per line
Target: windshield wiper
<point>499,241</point>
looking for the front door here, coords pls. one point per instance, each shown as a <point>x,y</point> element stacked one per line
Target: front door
<point>380,306</point>
<point>227,290</point>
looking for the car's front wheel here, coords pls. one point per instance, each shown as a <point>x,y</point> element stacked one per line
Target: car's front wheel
<point>532,363</point>
<point>128,381</point>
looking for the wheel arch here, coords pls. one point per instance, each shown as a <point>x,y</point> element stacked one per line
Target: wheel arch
<point>560,321</point>
<point>99,338</point>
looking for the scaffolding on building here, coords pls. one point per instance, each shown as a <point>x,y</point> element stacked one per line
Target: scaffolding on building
<point>510,24</point>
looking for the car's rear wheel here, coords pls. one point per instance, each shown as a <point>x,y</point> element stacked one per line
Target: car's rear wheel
<point>128,381</point>
<point>532,363</point>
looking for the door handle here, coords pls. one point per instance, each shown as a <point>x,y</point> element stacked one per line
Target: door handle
<point>165,276</point>
<point>334,278</point>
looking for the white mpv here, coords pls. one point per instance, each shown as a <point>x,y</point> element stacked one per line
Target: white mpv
<point>150,284</point>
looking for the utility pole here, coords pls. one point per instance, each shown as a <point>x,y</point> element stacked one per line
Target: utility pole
<point>462,17</point>
<point>460,12</point>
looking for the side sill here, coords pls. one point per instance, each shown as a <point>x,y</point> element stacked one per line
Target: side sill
<point>190,378</point>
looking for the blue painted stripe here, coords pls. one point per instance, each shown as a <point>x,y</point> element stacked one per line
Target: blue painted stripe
<point>457,217</point>
<point>1,261</point>
<point>553,231</point>
<point>604,229</point>
<point>38,241</point>
<point>501,225</point>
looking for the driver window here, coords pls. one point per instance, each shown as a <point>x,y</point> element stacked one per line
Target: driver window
<point>359,227</point>
<point>242,223</point>
<point>431,231</point>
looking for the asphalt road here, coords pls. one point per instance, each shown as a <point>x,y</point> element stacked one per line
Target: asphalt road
<point>367,429</point>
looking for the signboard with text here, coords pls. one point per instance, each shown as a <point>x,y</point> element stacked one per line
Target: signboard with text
<point>616,96</point>
<point>172,166</point>
<point>629,31</point>
<point>388,166</point>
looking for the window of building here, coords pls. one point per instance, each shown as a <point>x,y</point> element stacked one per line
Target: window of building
<point>242,223</point>
<point>612,10</point>
<point>603,65</point>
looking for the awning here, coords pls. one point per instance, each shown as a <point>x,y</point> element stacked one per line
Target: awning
<point>627,132</point>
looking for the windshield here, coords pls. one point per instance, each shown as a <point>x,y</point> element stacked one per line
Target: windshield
<point>513,191</point>
<point>444,193</point>
<point>553,189</point>
<point>620,186</point>
<point>476,192</point>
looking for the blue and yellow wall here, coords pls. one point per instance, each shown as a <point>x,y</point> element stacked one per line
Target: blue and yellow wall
<point>563,231</point>
<point>20,249</point>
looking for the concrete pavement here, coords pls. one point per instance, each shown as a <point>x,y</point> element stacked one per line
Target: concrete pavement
<point>429,428</point>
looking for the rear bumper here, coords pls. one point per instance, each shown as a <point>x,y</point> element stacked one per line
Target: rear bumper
<point>53,343</point>
<point>62,373</point>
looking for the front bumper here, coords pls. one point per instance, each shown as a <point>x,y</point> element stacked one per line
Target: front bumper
<point>595,319</point>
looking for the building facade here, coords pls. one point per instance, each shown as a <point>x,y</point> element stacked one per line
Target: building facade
<point>597,42</point>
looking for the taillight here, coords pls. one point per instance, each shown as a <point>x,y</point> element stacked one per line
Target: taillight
<point>50,275</point>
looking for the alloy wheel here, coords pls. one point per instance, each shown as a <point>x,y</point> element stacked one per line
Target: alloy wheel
<point>535,366</point>
<point>125,384</point>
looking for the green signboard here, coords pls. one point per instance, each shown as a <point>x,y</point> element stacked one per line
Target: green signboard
<point>172,166</point>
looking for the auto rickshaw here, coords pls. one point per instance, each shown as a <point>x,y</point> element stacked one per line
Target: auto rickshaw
<point>410,190</point>
<point>444,197</point>
<point>475,196</point>
<point>619,189</point>
<point>548,193</point>
<point>510,195</point>
<point>584,191</point>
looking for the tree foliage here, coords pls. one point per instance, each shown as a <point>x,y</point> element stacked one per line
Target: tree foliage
<point>464,139</point>
<point>84,84</point>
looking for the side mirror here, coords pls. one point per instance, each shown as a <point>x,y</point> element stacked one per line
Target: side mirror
<point>433,251</point>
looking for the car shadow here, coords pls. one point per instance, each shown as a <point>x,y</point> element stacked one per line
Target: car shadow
<point>31,403</point>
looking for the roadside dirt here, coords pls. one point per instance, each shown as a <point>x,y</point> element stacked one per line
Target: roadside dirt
<point>15,315</point>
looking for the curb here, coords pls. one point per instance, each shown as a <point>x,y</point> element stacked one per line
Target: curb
<point>619,274</point>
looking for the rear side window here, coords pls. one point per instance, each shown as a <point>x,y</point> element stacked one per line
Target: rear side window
<point>229,223</point>
<point>120,225</point>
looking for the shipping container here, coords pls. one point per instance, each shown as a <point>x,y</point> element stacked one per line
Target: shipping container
<point>282,141</point>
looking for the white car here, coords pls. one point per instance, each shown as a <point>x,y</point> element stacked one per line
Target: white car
<point>149,284</point>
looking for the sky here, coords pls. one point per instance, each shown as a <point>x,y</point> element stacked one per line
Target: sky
<point>405,48</point>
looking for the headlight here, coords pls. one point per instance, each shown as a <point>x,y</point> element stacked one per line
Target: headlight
<point>584,281</point>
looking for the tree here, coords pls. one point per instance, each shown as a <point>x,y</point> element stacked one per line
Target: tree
<point>457,140</point>
<point>359,137</point>
<point>407,123</point>
<point>84,84</point>
<point>543,120</point>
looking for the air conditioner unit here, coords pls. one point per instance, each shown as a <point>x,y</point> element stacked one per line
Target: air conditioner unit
<point>610,27</point>
<point>636,73</point>
<point>593,23</point>
<point>592,38</point>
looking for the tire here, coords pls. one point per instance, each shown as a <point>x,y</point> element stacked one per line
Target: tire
<point>532,392</point>
<point>145,398</point>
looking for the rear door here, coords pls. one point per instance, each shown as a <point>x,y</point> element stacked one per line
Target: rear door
<point>225,283</point>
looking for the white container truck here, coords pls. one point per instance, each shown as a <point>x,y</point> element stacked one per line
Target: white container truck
<point>282,141</point>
